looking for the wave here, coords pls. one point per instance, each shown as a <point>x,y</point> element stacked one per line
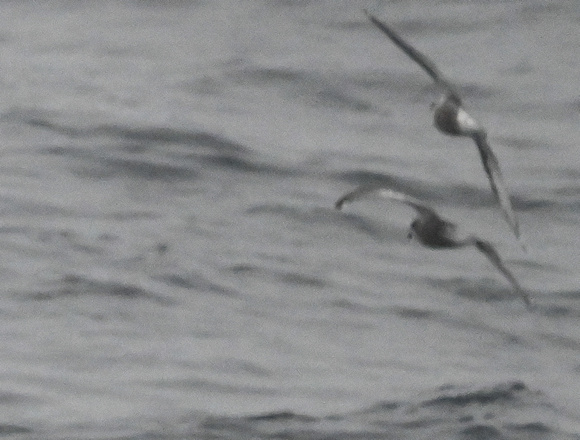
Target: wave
<point>502,393</point>
<point>47,120</point>
<point>507,410</point>
<point>143,153</point>
<point>16,430</point>
<point>285,277</point>
<point>148,169</point>
<point>75,285</point>
<point>170,135</point>
<point>195,282</point>
<point>307,86</point>
<point>246,165</point>
<point>485,289</point>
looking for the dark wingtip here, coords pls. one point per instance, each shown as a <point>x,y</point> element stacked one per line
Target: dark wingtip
<point>339,203</point>
<point>370,16</point>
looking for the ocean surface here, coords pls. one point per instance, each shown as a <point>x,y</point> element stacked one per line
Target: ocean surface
<point>172,264</point>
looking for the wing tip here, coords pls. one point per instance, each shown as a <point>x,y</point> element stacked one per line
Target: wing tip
<point>373,19</point>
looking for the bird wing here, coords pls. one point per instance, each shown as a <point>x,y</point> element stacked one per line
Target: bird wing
<point>489,251</point>
<point>369,190</point>
<point>416,56</point>
<point>491,166</point>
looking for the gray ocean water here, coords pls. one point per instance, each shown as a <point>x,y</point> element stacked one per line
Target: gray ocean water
<point>172,265</point>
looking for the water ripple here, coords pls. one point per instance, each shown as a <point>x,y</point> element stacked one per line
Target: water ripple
<point>504,410</point>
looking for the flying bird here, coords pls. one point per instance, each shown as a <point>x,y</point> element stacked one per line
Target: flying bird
<point>435,232</point>
<point>451,118</point>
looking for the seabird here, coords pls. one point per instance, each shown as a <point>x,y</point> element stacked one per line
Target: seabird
<point>435,232</point>
<point>451,118</point>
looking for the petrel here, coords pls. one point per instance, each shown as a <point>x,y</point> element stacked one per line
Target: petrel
<point>451,118</point>
<point>435,232</point>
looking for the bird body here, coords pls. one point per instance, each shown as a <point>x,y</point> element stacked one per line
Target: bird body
<point>434,232</point>
<point>450,118</point>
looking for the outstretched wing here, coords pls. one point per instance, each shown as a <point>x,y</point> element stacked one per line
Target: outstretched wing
<point>376,190</point>
<point>489,251</point>
<point>491,166</point>
<point>416,56</point>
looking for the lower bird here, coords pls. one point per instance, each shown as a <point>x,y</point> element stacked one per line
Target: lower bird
<point>435,232</point>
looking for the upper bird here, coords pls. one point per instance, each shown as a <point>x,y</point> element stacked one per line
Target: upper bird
<point>435,232</point>
<point>452,119</point>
